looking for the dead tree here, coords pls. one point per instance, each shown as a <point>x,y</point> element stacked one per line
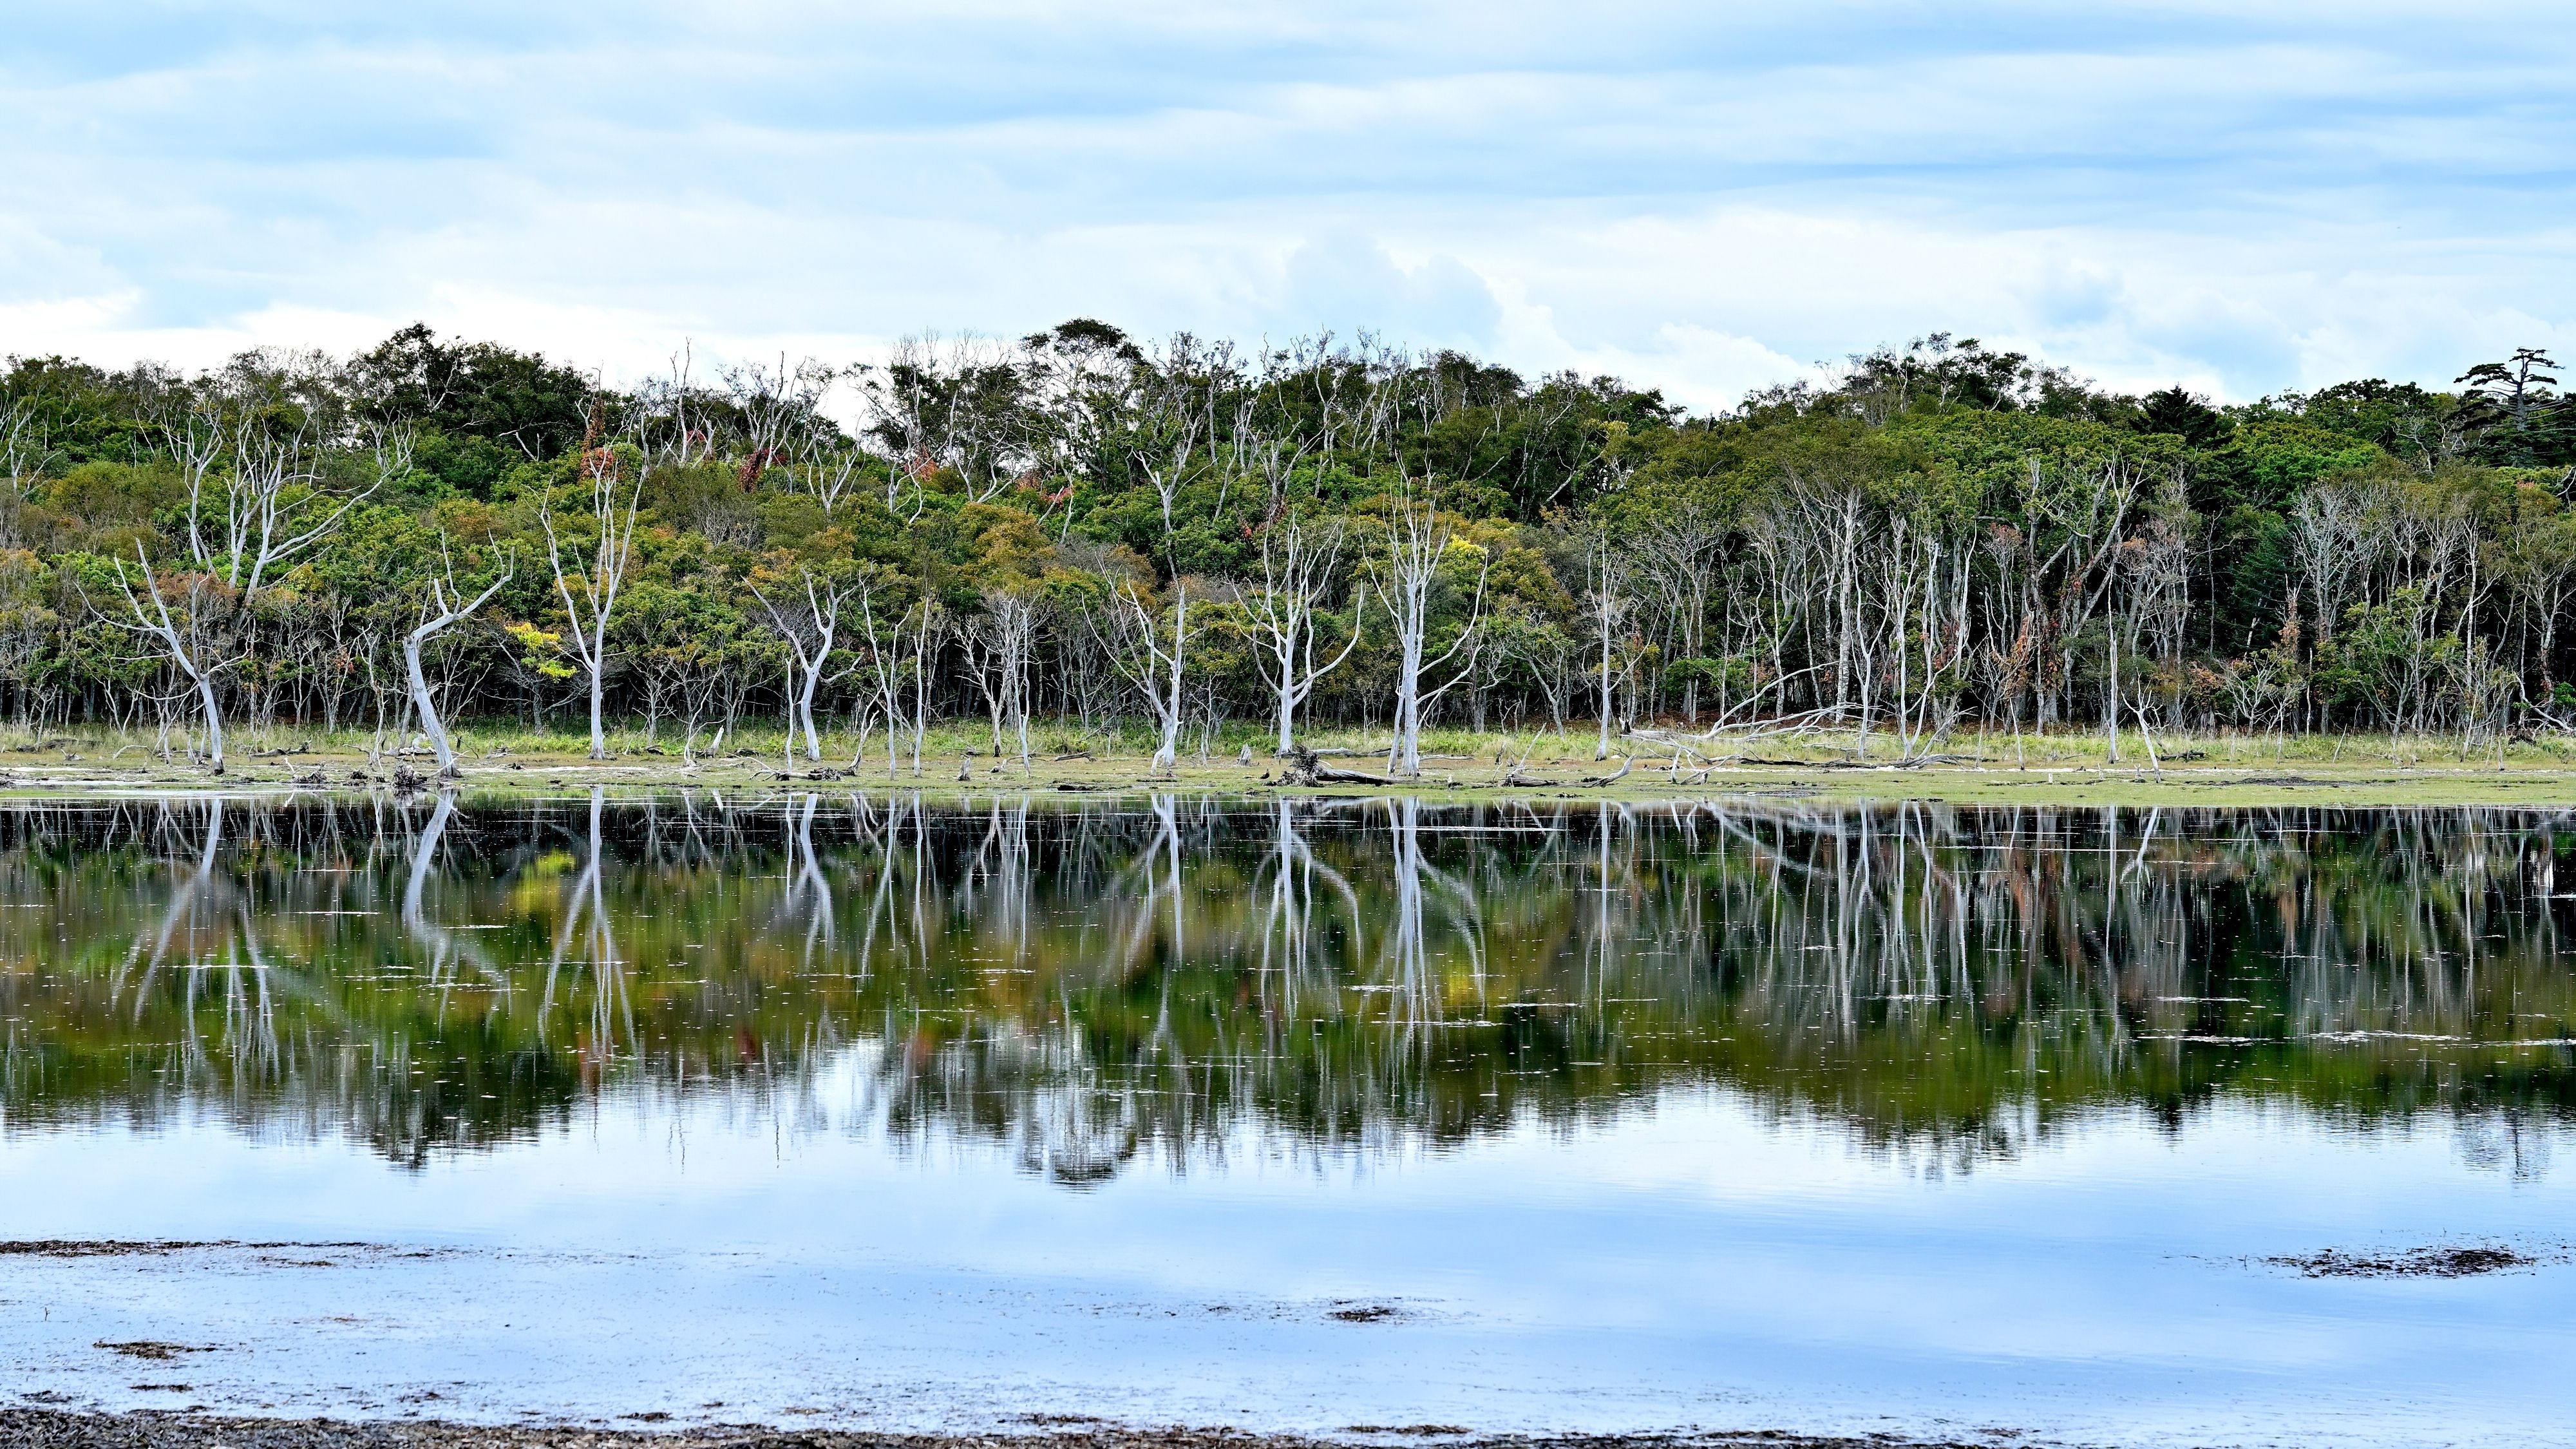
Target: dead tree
<point>256,499</point>
<point>590,596</point>
<point>1000,644</point>
<point>184,639</point>
<point>1608,604</point>
<point>809,634</point>
<point>447,598</point>
<point>1296,568</point>
<point>894,650</point>
<point>256,502</point>
<point>1149,651</point>
<point>1417,540</point>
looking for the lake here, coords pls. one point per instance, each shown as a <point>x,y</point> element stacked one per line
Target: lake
<point>1307,1115</point>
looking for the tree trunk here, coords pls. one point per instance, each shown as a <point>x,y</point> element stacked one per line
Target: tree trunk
<point>805,711</point>
<point>598,735</point>
<point>214,720</point>
<point>430,724</point>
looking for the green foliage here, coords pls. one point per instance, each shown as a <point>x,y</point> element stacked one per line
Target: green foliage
<point>1948,529</point>
<point>2176,413</point>
<point>477,390</point>
<point>2268,462</point>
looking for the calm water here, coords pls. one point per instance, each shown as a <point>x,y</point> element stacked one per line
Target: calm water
<point>1302,1116</point>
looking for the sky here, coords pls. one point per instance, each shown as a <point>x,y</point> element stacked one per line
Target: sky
<point>1709,197</point>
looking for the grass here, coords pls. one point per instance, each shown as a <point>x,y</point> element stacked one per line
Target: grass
<point>2032,768</point>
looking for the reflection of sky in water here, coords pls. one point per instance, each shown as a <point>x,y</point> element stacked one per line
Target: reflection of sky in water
<point>1731,1180</point>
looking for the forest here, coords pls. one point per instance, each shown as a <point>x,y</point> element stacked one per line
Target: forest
<point>1109,540</point>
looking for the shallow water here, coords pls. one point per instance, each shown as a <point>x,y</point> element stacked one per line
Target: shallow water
<point>1307,1116</point>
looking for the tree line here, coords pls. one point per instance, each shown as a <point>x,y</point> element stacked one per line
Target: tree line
<point>1089,531</point>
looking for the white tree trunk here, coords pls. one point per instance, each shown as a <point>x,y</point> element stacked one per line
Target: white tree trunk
<point>421,699</point>
<point>596,589</point>
<point>1416,542</point>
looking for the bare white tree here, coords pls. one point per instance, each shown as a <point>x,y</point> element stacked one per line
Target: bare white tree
<point>1915,590</point>
<point>952,405</point>
<point>809,634</point>
<point>780,408</point>
<point>445,608</point>
<point>590,595</point>
<point>256,496</point>
<point>257,500</point>
<point>1607,603</point>
<point>999,646</point>
<point>25,444</point>
<point>2336,534</point>
<point>883,661</point>
<point>1678,548</point>
<point>926,626</point>
<point>2088,513</point>
<point>186,638</point>
<point>1148,650</point>
<point>835,474</point>
<point>899,651</point>
<point>1296,569</point>
<point>674,418</point>
<point>1417,540</point>
<point>1180,440</point>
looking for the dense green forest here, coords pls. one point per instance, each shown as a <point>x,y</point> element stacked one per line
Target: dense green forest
<point>1094,532</point>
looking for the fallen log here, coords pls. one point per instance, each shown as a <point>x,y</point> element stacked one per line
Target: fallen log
<point>1305,769</point>
<point>1626,764</point>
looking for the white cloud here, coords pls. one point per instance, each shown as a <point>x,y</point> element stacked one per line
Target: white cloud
<point>1705,198</point>
<point>1345,282</point>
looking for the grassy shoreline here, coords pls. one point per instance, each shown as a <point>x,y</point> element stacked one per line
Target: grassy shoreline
<point>958,760</point>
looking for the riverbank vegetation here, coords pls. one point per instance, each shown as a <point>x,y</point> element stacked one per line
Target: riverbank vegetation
<point>1080,539</point>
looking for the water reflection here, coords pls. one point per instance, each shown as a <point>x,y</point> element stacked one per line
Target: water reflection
<point>1091,985</point>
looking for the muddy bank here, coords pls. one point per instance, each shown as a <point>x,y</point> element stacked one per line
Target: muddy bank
<point>2448,1260</point>
<point>58,1429</point>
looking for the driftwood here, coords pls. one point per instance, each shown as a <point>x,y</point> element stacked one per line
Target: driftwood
<point>1626,763</point>
<point>820,772</point>
<point>1659,737</point>
<point>1305,769</point>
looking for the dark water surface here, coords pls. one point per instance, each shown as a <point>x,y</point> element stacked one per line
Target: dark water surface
<point>1293,1115</point>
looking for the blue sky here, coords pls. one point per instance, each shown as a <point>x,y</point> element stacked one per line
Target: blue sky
<point>1706,197</point>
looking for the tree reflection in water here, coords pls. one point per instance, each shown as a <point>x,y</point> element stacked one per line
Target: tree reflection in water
<point>1095,984</point>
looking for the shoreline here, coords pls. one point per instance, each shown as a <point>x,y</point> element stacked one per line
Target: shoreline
<point>959,762</point>
<point>2362,783</point>
<point>50,1428</point>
